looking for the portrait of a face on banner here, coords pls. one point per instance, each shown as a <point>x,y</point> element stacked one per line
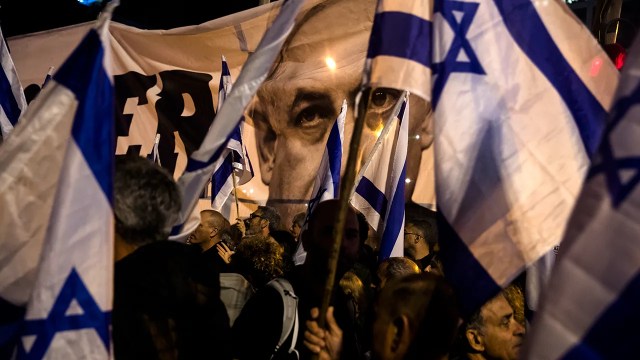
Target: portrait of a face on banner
<point>173,76</point>
<point>166,84</point>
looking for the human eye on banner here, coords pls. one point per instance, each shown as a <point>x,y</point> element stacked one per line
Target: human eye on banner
<point>166,84</point>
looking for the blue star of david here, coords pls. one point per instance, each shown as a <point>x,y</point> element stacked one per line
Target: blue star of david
<point>608,163</point>
<point>57,321</point>
<point>442,70</point>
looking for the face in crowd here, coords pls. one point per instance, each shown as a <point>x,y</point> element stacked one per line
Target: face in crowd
<point>499,335</point>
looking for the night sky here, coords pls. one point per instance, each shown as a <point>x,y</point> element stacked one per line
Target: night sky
<point>23,16</point>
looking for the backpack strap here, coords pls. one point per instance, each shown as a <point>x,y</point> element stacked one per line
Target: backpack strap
<point>290,314</point>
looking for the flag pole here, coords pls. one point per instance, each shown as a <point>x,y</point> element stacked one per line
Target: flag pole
<point>235,186</point>
<point>345,188</point>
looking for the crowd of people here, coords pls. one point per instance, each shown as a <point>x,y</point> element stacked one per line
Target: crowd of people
<point>233,290</point>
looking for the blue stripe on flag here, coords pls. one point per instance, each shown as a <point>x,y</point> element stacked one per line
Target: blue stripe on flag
<point>195,165</point>
<point>334,150</point>
<point>522,20</point>
<point>373,196</point>
<point>393,225</point>
<point>93,125</point>
<point>462,269</point>
<point>614,334</point>
<point>7,100</point>
<point>221,176</point>
<point>409,39</point>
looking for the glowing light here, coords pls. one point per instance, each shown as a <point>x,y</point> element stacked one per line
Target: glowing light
<point>378,130</point>
<point>331,64</point>
<point>251,191</point>
<point>596,65</point>
<point>417,137</point>
<point>407,181</point>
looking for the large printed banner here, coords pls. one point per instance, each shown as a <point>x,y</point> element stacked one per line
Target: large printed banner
<point>166,83</point>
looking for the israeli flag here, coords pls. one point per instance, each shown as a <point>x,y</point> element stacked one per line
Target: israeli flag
<point>379,188</point>
<point>520,90</point>
<point>399,55</point>
<point>235,160</point>
<point>12,100</point>
<point>154,156</point>
<point>56,218</point>
<point>201,163</point>
<point>327,183</point>
<point>590,307</point>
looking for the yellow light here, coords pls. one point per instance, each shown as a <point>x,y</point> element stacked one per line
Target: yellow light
<point>331,64</point>
<point>378,130</point>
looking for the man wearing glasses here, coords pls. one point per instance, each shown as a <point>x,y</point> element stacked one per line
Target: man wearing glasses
<point>420,235</point>
<point>264,221</point>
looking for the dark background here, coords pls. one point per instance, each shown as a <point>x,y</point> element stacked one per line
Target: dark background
<point>24,16</point>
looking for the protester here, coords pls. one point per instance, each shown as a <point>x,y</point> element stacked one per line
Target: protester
<point>165,306</point>
<point>416,318</point>
<point>257,329</point>
<point>296,224</point>
<point>309,279</point>
<point>492,332</point>
<point>208,236</point>
<point>395,268</point>
<point>420,235</point>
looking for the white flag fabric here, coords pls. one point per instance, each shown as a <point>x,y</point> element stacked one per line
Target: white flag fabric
<point>12,100</point>
<point>379,192</point>
<point>202,161</point>
<point>590,307</point>
<point>399,53</point>
<point>520,91</point>
<point>235,159</point>
<point>55,209</point>
<point>327,183</point>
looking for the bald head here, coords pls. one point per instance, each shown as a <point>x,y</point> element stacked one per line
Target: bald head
<point>214,219</point>
<point>209,232</point>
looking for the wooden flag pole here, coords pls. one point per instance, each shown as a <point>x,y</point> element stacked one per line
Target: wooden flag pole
<point>345,189</point>
<point>235,187</point>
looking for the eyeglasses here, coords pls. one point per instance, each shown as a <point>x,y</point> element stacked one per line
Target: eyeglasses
<point>253,216</point>
<point>417,237</point>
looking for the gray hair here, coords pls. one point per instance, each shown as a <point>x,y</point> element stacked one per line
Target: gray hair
<point>146,200</point>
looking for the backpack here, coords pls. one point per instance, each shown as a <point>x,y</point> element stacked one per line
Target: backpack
<point>289,317</point>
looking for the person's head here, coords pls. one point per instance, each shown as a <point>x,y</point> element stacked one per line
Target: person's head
<point>297,105</point>
<point>297,223</point>
<point>394,268</point>
<point>146,201</point>
<point>263,221</point>
<point>318,240</point>
<point>210,230</point>
<point>420,231</point>
<point>493,332</point>
<point>415,318</point>
<point>259,259</point>
<point>353,288</point>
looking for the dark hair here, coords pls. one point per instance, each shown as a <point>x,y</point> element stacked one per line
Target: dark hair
<point>299,218</point>
<point>425,220</point>
<point>270,214</point>
<point>146,200</point>
<point>428,302</point>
